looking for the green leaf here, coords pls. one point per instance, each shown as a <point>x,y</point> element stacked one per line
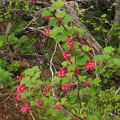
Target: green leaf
<point>29,72</point>
<point>63,101</point>
<point>56,5</point>
<point>53,22</point>
<point>99,58</point>
<point>72,99</point>
<point>81,31</point>
<point>33,86</point>
<point>26,80</point>
<point>76,44</point>
<point>2,40</point>
<point>116,61</point>
<point>61,14</point>
<point>64,64</point>
<point>2,64</point>
<point>86,48</point>
<point>72,59</point>
<point>82,60</point>
<point>96,81</point>
<point>11,36</point>
<point>60,37</point>
<point>71,67</point>
<point>50,111</point>
<point>36,69</point>
<point>109,49</point>
<point>103,16</point>
<point>46,12</point>
<point>24,95</point>
<point>93,92</point>
<point>57,79</point>
<point>67,19</point>
<point>32,103</point>
<point>82,78</point>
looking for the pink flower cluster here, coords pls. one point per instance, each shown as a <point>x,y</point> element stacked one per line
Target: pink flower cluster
<point>40,103</point>
<point>90,65</point>
<point>70,40</point>
<point>21,88</point>
<point>59,107</point>
<point>25,108</point>
<point>47,18</point>
<point>62,71</point>
<point>87,83</point>
<point>66,54</point>
<point>77,70</point>
<point>47,33</point>
<point>76,118</point>
<point>59,20</point>
<point>66,86</point>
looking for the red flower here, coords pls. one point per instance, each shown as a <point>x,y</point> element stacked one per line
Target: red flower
<point>66,86</point>
<point>76,118</point>
<point>32,1</point>
<point>47,18</point>
<point>45,93</point>
<point>59,107</point>
<point>18,97</point>
<point>40,103</point>
<point>71,44</point>
<point>47,33</point>
<point>60,20</point>
<point>25,108</point>
<point>66,54</point>
<point>77,70</point>
<point>61,72</point>
<point>90,65</point>
<point>21,88</point>
<point>69,39</point>
<point>87,83</point>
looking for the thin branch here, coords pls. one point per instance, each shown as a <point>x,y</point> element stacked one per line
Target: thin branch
<point>31,115</point>
<point>117,90</point>
<point>52,72</point>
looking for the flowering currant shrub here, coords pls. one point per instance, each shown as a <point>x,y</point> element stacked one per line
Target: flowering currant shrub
<point>74,89</point>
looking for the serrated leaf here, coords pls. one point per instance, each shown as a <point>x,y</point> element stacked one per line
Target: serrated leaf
<point>53,22</point>
<point>24,95</point>
<point>60,37</point>
<point>71,67</point>
<point>36,68</point>
<point>81,31</point>
<point>56,5</point>
<point>67,19</point>
<point>109,49</point>
<point>29,72</point>
<point>63,101</point>
<point>46,12</point>
<point>61,14</point>
<point>86,48</point>
<point>96,81</point>
<point>72,99</point>
<point>99,58</point>
<point>64,64</point>
<point>82,78</point>
<point>72,59</point>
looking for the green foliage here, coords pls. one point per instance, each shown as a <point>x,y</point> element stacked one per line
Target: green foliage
<point>91,94</point>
